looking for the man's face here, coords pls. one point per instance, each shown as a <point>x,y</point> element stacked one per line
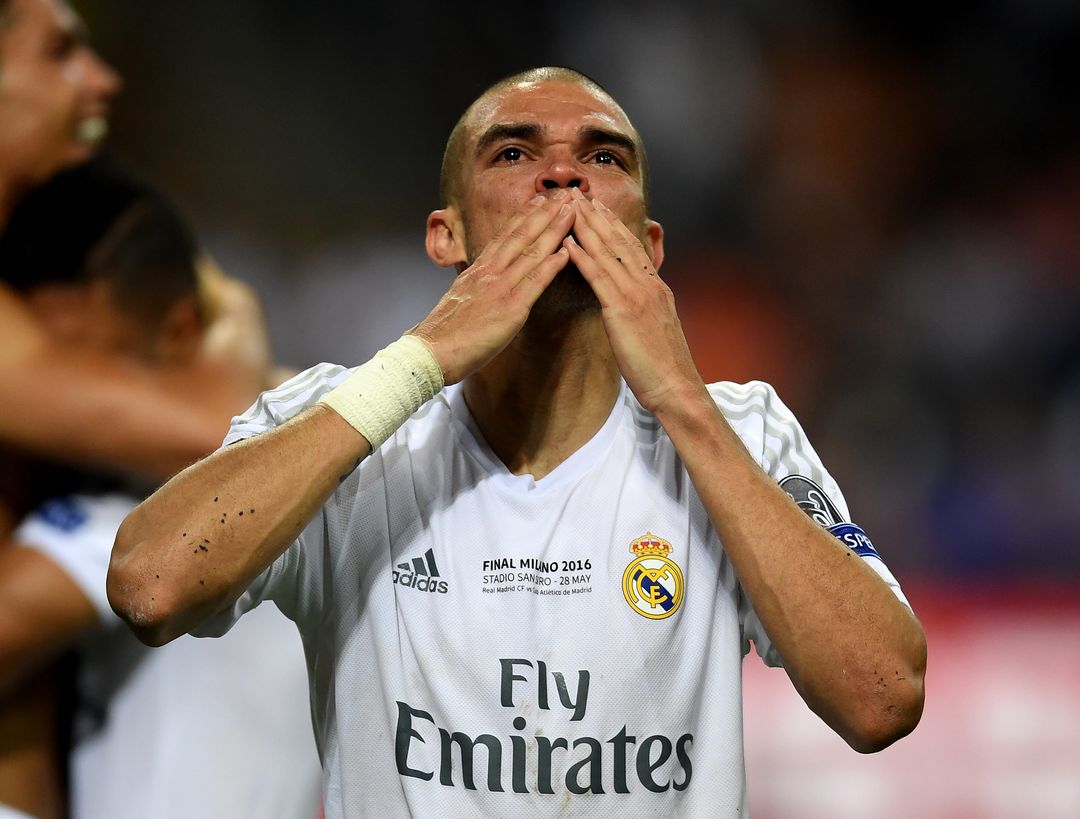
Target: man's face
<point>537,137</point>
<point>54,91</point>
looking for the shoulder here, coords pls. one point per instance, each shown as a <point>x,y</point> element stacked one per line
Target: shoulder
<point>274,407</point>
<point>754,398</point>
<point>757,414</point>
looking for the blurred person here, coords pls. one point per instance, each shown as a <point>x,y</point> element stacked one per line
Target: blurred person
<point>82,405</point>
<point>76,403</point>
<point>528,526</point>
<point>55,93</point>
<point>108,263</point>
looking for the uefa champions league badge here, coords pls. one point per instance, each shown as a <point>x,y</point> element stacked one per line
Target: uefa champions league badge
<point>653,583</point>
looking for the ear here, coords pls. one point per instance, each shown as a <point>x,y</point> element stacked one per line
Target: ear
<point>654,242</point>
<point>180,334</point>
<point>445,240</point>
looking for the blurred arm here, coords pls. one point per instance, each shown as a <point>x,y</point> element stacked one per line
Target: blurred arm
<point>236,337</point>
<point>31,761</point>
<point>81,406</point>
<point>42,613</point>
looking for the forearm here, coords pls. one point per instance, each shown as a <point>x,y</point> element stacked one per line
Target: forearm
<point>852,649</point>
<point>93,409</point>
<point>193,547</point>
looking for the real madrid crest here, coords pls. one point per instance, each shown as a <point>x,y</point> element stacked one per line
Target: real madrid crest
<point>653,583</point>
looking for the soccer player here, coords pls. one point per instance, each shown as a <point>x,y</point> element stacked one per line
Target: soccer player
<point>81,405</point>
<point>525,545</point>
<point>114,268</point>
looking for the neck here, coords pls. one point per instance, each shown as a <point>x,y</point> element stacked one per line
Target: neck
<point>546,394</point>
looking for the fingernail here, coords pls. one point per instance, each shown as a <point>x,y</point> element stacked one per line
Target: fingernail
<point>576,192</point>
<point>560,194</point>
<point>565,209</point>
<point>536,200</point>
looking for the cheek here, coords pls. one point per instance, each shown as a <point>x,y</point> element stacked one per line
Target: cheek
<point>46,115</point>
<point>487,214</point>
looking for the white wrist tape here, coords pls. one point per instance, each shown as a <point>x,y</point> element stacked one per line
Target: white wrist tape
<point>381,394</point>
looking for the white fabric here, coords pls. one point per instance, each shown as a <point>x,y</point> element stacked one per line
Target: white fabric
<point>417,647</point>
<point>8,812</point>
<point>77,534</point>
<point>207,728</point>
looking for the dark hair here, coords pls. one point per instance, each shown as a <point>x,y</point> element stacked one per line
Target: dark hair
<point>453,156</point>
<point>148,260</point>
<point>100,222</point>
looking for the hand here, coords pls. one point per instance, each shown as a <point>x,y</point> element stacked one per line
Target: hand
<point>489,301</point>
<point>236,337</point>
<point>637,307</point>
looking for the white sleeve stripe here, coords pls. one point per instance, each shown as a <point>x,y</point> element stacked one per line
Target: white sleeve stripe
<point>785,444</point>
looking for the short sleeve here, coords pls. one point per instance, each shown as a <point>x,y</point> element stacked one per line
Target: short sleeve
<point>278,581</point>
<point>274,407</point>
<point>77,533</point>
<point>773,435</point>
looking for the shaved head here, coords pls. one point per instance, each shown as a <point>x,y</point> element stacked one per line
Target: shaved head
<point>451,179</point>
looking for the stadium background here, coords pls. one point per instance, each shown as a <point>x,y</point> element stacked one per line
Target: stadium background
<point>876,207</point>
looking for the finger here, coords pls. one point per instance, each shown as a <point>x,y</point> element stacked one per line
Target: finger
<point>547,243</point>
<point>603,259</point>
<point>611,238</point>
<point>536,280</point>
<point>587,226</point>
<point>522,230</point>
<point>598,277</point>
<point>638,257</point>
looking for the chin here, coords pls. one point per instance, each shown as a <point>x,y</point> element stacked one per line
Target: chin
<point>79,153</point>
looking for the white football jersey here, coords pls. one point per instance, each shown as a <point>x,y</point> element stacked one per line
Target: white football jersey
<point>485,644</point>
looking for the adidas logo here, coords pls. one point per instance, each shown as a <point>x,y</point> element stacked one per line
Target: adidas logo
<point>420,573</point>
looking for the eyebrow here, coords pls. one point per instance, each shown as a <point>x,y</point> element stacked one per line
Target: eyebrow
<point>593,136</point>
<point>524,131</point>
<point>531,132</point>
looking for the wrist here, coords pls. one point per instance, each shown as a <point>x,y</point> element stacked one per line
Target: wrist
<point>689,414</point>
<point>384,392</point>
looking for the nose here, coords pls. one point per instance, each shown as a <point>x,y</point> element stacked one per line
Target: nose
<point>105,80</point>
<point>561,172</point>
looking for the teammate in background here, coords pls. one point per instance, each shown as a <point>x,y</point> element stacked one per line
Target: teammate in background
<point>608,533</point>
<point>75,404</point>
<point>81,405</point>
<point>114,267</point>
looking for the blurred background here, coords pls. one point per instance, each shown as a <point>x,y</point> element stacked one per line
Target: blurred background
<point>875,207</point>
